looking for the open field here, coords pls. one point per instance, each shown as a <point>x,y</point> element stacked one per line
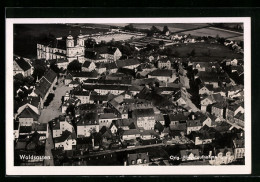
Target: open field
<point>217,51</point>
<point>211,32</point>
<point>238,38</point>
<point>116,37</point>
<point>173,27</point>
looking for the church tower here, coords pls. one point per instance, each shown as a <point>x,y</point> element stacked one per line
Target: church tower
<point>69,41</point>
<point>80,40</point>
<point>70,47</point>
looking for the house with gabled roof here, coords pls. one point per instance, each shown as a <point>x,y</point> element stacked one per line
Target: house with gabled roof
<point>45,85</point>
<point>111,54</point>
<point>61,124</point>
<point>130,134</point>
<point>66,141</point>
<point>193,125</point>
<point>20,65</point>
<point>68,79</point>
<point>138,159</point>
<point>28,116</point>
<point>163,75</point>
<point>232,111</point>
<point>32,102</point>
<point>145,118</point>
<point>189,154</point>
<point>87,124</point>
<point>128,63</point>
<point>106,119</point>
<point>88,66</point>
<point>164,63</point>
<point>206,100</point>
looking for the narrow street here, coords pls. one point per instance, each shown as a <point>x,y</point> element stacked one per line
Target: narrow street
<point>49,113</point>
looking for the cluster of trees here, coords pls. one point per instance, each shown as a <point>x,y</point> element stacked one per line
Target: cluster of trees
<point>150,32</point>
<point>49,99</point>
<point>74,66</point>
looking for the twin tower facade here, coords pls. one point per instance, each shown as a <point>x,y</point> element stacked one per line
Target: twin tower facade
<point>62,48</point>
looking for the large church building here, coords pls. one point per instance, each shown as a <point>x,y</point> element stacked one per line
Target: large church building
<point>66,47</point>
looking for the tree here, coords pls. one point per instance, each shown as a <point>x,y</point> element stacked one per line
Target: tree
<point>154,29</point>
<point>74,66</point>
<point>165,29</point>
<point>55,68</point>
<point>130,27</point>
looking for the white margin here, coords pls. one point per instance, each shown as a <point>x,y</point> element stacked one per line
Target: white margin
<point>126,170</point>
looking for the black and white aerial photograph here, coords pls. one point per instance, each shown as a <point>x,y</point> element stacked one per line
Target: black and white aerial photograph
<point>128,94</point>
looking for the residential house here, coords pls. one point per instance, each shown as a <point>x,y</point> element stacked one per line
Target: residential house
<point>81,76</point>
<point>111,54</point>
<point>223,156</point>
<point>218,109</point>
<point>203,136</point>
<point>113,128</point>
<point>68,79</point>
<point>137,159</point>
<point>20,65</point>
<point>87,124</point>
<point>159,118</point>
<point>205,89</point>
<point>106,119</point>
<point>233,110</point>
<point>93,56</point>
<point>193,125</point>
<point>106,89</point>
<point>41,129</point>
<point>148,134</point>
<point>128,63</point>
<point>32,102</point>
<point>66,141</point>
<point>111,67</point>
<point>62,63</point>
<point>163,75</point>
<point>28,116</point>
<point>206,100</point>
<point>83,96</point>
<point>45,85</point>
<point>205,66</point>
<point>239,148</point>
<point>130,134</point>
<point>61,124</point>
<point>189,154</point>
<point>239,119</point>
<point>145,118</point>
<point>164,63</point>
<point>69,102</point>
<point>88,66</point>
<point>16,130</point>
<point>178,118</point>
<point>100,68</point>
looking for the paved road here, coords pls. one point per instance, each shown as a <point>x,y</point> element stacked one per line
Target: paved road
<point>54,110</point>
<point>51,112</point>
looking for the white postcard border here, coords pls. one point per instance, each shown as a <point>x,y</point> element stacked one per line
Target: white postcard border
<point>126,170</point>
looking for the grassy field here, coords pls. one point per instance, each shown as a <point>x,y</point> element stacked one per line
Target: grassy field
<point>26,36</point>
<point>211,32</point>
<point>217,51</point>
<point>174,27</point>
<point>238,38</point>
